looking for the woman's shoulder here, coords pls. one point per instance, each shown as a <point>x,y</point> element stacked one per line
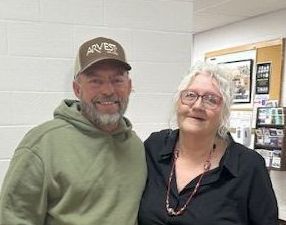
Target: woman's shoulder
<point>247,156</point>
<point>161,141</point>
<point>160,133</point>
<point>161,136</point>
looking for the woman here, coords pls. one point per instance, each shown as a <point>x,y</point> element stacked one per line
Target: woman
<point>197,174</point>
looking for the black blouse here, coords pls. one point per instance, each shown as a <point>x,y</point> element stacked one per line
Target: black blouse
<point>238,192</point>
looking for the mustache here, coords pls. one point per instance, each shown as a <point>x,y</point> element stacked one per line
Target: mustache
<point>106,99</point>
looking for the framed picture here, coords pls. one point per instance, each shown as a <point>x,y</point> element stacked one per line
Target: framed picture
<point>242,79</point>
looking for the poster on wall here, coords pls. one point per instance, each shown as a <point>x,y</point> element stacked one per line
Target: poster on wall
<point>263,73</point>
<point>241,77</point>
<point>241,124</point>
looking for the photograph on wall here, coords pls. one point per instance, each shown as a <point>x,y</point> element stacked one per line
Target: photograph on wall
<point>241,77</point>
<point>263,73</point>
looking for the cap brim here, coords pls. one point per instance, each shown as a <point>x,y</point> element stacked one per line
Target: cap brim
<point>115,61</point>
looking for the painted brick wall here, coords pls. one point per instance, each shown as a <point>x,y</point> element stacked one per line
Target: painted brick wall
<point>38,42</point>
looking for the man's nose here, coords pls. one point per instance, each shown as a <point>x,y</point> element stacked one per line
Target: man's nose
<point>107,88</point>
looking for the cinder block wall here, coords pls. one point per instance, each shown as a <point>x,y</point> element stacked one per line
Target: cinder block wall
<point>38,42</point>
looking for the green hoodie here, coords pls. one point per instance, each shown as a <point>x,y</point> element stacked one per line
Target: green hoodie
<point>67,172</point>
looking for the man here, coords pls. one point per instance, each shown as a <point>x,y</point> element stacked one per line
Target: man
<point>86,166</point>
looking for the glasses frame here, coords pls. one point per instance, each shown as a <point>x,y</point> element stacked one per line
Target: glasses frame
<point>203,97</point>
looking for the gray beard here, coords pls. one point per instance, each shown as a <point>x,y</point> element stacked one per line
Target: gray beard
<point>100,119</point>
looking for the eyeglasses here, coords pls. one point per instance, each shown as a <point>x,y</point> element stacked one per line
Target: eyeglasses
<point>210,101</point>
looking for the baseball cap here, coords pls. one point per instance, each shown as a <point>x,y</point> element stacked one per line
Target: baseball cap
<point>97,50</point>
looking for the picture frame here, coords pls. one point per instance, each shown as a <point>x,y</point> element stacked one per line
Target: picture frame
<point>241,71</point>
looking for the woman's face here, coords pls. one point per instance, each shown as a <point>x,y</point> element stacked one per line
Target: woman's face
<point>200,116</point>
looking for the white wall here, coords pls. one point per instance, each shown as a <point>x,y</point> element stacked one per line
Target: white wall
<point>262,28</point>
<point>38,42</point>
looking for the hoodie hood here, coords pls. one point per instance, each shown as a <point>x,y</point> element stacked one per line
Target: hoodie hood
<point>69,110</point>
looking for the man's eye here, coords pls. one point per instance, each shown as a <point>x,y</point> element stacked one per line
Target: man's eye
<point>118,80</point>
<point>96,81</point>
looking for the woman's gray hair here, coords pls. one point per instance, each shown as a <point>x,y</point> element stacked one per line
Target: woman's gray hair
<point>223,77</point>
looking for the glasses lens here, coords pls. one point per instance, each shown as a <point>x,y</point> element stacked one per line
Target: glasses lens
<point>211,101</point>
<point>188,97</point>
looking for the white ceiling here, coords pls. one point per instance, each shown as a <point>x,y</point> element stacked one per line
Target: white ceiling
<point>209,14</point>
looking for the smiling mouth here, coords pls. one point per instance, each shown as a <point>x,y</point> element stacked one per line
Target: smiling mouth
<point>107,103</point>
<point>197,118</point>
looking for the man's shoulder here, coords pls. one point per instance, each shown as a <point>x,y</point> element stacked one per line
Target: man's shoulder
<point>33,136</point>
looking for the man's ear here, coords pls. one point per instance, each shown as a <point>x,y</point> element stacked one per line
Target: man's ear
<point>130,86</point>
<point>76,88</point>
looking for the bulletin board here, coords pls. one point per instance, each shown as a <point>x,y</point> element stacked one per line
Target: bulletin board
<point>274,55</point>
<point>271,51</point>
<point>261,53</point>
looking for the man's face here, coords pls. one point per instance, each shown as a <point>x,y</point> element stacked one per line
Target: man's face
<point>103,91</point>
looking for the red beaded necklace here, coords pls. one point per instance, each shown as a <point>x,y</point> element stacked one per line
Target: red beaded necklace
<point>207,165</point>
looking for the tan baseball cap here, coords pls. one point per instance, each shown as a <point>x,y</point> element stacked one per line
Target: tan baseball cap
<point>97,50</point>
